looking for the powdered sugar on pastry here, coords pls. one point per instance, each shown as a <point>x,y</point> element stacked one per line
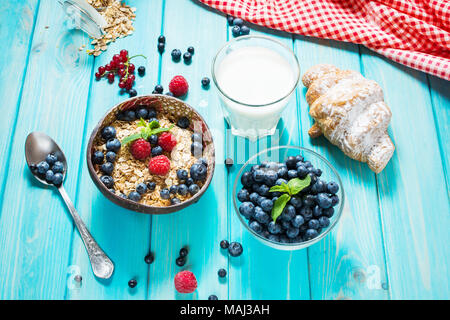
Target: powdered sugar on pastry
<point>350,111</point>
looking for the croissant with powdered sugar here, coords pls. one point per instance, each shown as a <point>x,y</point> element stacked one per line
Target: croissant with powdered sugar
<point>350,111</point>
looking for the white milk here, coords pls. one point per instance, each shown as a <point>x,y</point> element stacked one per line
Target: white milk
<point>255,76</point>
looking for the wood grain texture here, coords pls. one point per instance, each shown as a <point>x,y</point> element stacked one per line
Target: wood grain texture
<point>35,227</point>
<point>348,263</point>
<point>201,226</point>
<point>413,197</point>
<point>124,235</point>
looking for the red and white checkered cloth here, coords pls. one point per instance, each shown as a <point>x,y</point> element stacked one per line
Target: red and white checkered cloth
<point>415,33</point>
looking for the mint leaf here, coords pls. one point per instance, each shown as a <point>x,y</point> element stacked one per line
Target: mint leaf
<point>296,185</point>
<point>281,188</point>
<point>154,124</point>
<point>142,123</point>
<point>159,130</point>
<point>131,138</point>
<point>279,205</point>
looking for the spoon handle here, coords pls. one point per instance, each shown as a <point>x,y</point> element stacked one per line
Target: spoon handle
<point>102,266</point>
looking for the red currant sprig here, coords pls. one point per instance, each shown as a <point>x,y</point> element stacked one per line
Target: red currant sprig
<point>119,65</point>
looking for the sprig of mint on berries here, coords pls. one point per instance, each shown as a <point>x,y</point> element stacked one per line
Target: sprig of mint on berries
<point>290,189</point>
<point>148,129</point>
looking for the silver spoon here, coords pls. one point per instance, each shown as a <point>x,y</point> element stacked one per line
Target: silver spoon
<point>37,146</point>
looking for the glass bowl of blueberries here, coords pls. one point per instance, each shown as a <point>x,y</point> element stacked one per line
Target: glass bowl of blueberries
<point>288,197</point>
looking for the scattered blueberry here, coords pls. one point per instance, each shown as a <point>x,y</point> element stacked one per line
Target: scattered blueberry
<point>113,145</point>
<point>156,151</point>
<point>151,185</point>
<point>205,82</point>
<point>107,168</point>
<point>135,196</point>
<point>187,57</point>
<point>235,249</point>
<point>180,261</point>
<point>164,193</point>
<point>161,47</point>
<point>132,93</point>
<point>132,283</point>
<point>213,297</point>
<point>141,71</point>
<point>236,30</point>
<point>198,172</point>
<point>245,30</point>
<point>222,273</point>
<point>229,162</point>
<point>153,139</point>
<point>191,50</point>
<point>108,181</point>
<point>176,54</point>
<point>97,157</point>
<point>238,22</point>
<point>161,39</point>
<point>149,258</point>
<point>108,132</point>
<point>193,189</point>
<point>159,88</point>
<point>224,244</point>
<point>174,201</point>
<point>110,156</point>
<point>182,175</point>
<point>173,189</point>
<point>182,190</point>
<point>141,188</point>
<point>230,20</point>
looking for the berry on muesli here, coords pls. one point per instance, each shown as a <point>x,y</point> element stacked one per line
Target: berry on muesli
<point>145,156</point>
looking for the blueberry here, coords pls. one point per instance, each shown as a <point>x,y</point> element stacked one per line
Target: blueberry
<point>258,175</point>
<point>324,222</point>
<point>238,22</point>
<point>193,189</point>
<point>110,156</point>
<point>283,239</point>
<point>203,161</point>
<point>334,200</point>
<point>317,172</point>
<point>247,179</point>
<point>261,216</point>
<point>302,171</point>
<point>176,54</point>
<point>267,205</point>
<point>129,115</point>
<point>332,187</point>
<point>198,172</point>
<point>161,39</point>
<point>182,175</point>
<point>153,139</point>
<point>174,201</point>
<point>255,226</point>
<point>274,238</point>
<point>156,151</point>
<point>196,137</point>
<point>183,122</point>
<point>292,174</point>
<point>253,197</point>
<point>108,132</point>
<point>288,213</point>
<point>205,82</point>
<point>141,188</point>
<point>164,194</point>
<point>173,189</point>
<point>142,113</point>
<point>323,200</point>
<point>180,261</point>
<point>42,167</point>
<point>183,252</point>
<point>49,175</point>
<point>329,212</point>
<point>189,182</point>
<point>296,202</point>
<point>243,195</point>
<point>274,228</point>
<point>236,31</point>
<point>213,297</point>
<point>292,232</point>
<point>311,234</point>
<point>318,187</point>
<point>291,162</point>
<point>149,258</point>
<point>141,71</point>
<point>297,221</point>
<point>191,50</point>
<point>132,283</point>
<point>230,20</point>
<point>151,113</point>
<point>313,224</point>
<point>247,209</point>
<point>97,157</point>
<point>159,88</point>
<point>113,145</point>
<point>151,185</point>
<point>132,93</point>
<point>161,47</point>
<point>222,273</point>
<point>263,190</point>
<point>150,120</point>
<point>235,249</point>
<point>182,190</point>
<point>58,167</point>
<point>108,181</point>
<point>58,178</point>
<point>282,172</point>
<point>270,178</point>
<point>245,30</point>
<point>280,181</point>
<point>308,200</point>
<point>107,168</point>
<point>307,213</point>
<point>224,244</point>
<point>187,57</point>
<point>196,149</point>
<point>50,159</point>
<point>317,211</point>
<point>134,196</point>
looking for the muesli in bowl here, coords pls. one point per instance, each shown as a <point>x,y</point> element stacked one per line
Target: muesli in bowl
<point>152,154</point>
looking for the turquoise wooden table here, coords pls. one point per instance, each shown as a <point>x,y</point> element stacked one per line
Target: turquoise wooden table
<point>393,239</point>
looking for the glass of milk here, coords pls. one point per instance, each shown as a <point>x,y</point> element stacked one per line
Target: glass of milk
<point>255,77</point>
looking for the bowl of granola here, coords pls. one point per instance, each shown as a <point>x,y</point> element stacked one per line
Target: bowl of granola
<point>151,154</point>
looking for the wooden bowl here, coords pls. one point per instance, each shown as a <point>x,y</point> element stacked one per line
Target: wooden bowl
<point>173,108</point>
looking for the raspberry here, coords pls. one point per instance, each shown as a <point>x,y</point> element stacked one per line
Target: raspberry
<point>140,149</point>
<point>178,86</point>
<point>159,165</point>
<point>167,141</point>
<point>185,282</point>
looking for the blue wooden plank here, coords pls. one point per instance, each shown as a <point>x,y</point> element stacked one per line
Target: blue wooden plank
<point>289,270</point>
<point>202,225</point>
<point>349,263</point>
<point>124,235</point>
<point>412,191</point>
<point>16,36</point>
<point>35,230</point>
